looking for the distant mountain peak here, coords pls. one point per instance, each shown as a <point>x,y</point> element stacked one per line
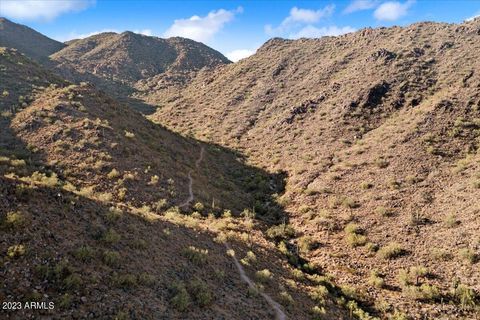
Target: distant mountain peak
<point>27,40</point>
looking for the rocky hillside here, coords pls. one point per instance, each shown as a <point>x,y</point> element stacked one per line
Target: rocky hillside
<point>89,213</point>
<point>128,57</point>
<point>378,132</point>
<point>27,40</point>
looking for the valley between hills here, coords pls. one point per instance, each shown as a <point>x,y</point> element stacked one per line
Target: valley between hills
<point>330,178</point>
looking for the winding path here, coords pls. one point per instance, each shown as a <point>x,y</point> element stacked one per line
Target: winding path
<point>190,179</point>
<point>279,314</point>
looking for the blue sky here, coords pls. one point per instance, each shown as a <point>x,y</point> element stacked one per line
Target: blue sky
<point>235,28</point>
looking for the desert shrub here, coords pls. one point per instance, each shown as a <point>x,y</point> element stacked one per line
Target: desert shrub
<point>18,163</point>
<point>111,236</point>
<point>412,276</point>
<point>286,299</point>
<point>114,214</point>
<point>298,274</point>
<point>16,251</point>
<point>465,296</point>
<point>319,293</point>
<point>42,178</point>
<point>65,301</point>
<point>125,281</point>
<point>451,221</point>
<point>139,244</point>
<point>84,253</point>
<point>61,270</point>
<point>376,279</point>
<point>195,255</point>
<point>281,232</point>
<point>105,197</point>
<point>366,185</point>
<point>111,258</point>
<point>160,205</point>
<point>305,244</point>
<point>349,203</point>
<point>249,258</point>
<point>468,255</point>
<point>318,313</point>
<point>425,292</point>
<point>180,299</point>
<point>352,228</point>
<point>14,220</point>
<point>86,191</point>
<point>263,276</point>
<point>371,247</point>
<point>202,295</point>
<point>129,134</point>
<point>113,174</point>
<point>154,180</point>
<point>440,254</point>
<point>198,206</point>
<point>354,236</point>
<point>381,163</point>
<point>146,279</point>
<point>356,311</point>
<point>72,282</point>
<point>356,240</point>
<point>390,251</point>
<point>385,212</point>
<point>413,179</point>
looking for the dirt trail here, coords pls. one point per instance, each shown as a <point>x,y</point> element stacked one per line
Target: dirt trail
<point>190,179</point>
<point>279,314</point>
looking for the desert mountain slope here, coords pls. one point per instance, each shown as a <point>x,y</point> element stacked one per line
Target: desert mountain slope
<point>27,40</point>
<point>128,57</point>
<point>379,133</point>
<point>89,218</point>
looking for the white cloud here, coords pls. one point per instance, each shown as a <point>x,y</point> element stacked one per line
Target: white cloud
<point>392,10</point>
<point>358,5</point>
<point>314,32</point>
<point>202,28</point>
<point>308,16</point>
<point>239,54</point>
<point>41,9</point>
<point>145,32</point>
<point>298,17</point>
<point>473,17</point>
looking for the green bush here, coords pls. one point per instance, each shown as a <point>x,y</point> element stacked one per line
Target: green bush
<point>200,292</point>
<point>195,255</point>
<point>125,281</point>
<point>390,251</point>
<point>72,282</point>
<point>14,220</point>
<point>263,276</point>
<point>16,251</point>
<point>84,253</point>
<point>281,232</point>
<point>180,299</point>
<point>376,279</point>
<point>111,258</point>
<point>465,296</point>
<point>111,236</point>
<point>468,255</point>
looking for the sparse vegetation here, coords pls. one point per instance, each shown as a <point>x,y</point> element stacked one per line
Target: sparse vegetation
<point>196,255</point>
<point>16,251</point>
<point>263,276</point>
<point>390,251</point>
